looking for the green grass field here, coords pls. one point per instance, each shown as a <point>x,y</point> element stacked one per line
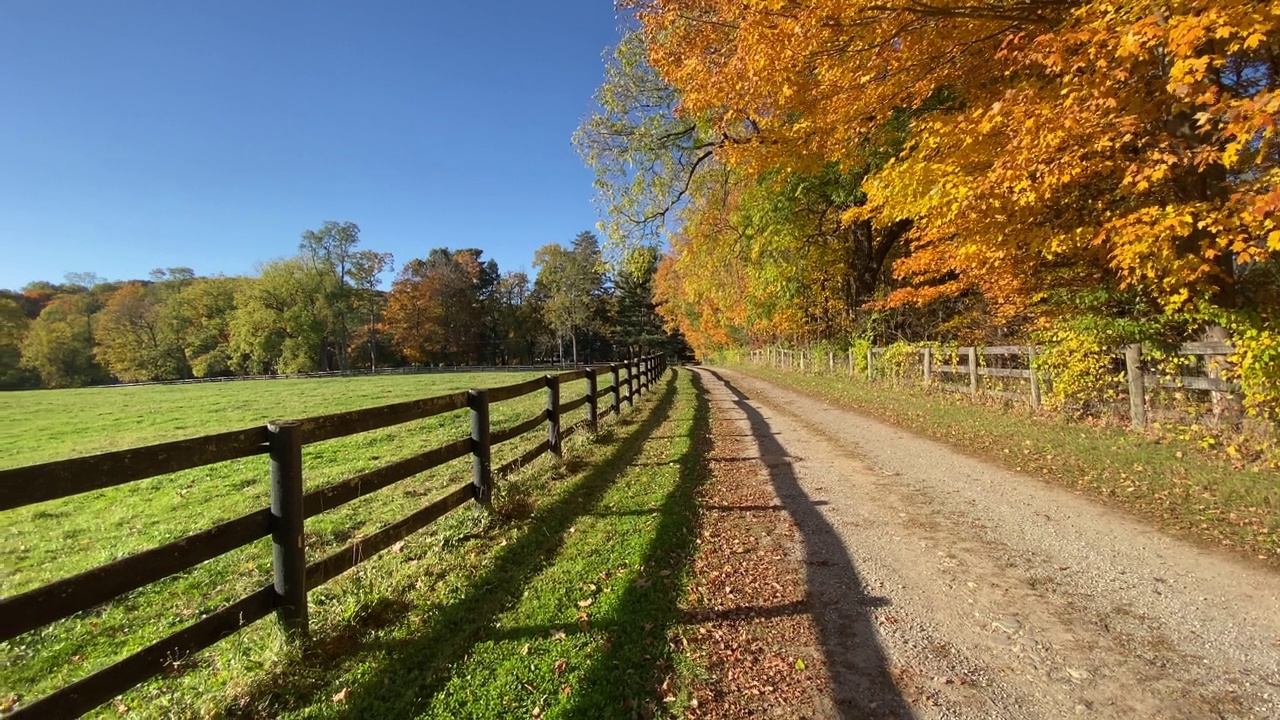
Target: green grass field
<point>52,540</point>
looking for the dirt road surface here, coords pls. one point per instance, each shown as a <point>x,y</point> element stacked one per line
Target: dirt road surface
<point>942,586</point>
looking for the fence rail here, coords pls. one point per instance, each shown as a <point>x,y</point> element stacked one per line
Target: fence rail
<point>293,575</point>
<point>950,376</point>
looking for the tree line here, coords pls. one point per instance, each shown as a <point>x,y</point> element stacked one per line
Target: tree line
<point>325,309</point>
<point>1082,173</point>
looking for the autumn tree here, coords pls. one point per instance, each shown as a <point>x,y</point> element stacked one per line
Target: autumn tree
<point>435,307</point>
<point>59,344</point>
<point>137,340</point>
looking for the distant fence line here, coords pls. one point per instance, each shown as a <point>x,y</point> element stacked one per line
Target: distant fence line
<point>283,521</point>
<point>969,366</point>
<point>360,372</point>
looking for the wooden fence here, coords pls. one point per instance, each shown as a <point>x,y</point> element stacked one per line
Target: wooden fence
<point>968,368</point>
<point>293,575</point>
<point>361,372</point>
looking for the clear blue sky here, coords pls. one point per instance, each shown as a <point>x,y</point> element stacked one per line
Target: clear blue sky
<point>137,135</point>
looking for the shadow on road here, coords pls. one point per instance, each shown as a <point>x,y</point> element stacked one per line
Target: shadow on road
<point>840,607</point>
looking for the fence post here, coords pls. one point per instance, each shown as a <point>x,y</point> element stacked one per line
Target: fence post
<point>831,361</point>
<point>631,383</point>
<point>288,551</point>
<point>928,366</point>
<point>973,370</point>
<point>481,450</point>
<point>851,363</point>
<point>870,367</point>
<point>617,390</point>
<point>553,414</point>
<point>1035,381</point>
<point>592,409</point>
<point>1137,387</point>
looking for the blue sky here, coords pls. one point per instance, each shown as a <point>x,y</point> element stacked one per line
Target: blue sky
<point>137,135</point>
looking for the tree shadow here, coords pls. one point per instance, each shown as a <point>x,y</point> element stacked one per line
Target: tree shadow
<point>840,607</point>
<point>629,676</point>
<point>409,671</point>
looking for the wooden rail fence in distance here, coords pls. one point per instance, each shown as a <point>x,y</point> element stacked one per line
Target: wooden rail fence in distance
<point>293,575</point>
<point>967,376</point>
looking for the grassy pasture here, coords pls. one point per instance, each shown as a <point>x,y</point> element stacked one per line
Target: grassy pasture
<point>48,541</point>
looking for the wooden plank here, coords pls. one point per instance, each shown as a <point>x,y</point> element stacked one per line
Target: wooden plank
<point>64,598</point>
<point>568,377</point>
<point>529,456</point>
<point>606,390</point>
<point>88,693</point>
<point>507,392</point>
<point>64,478</point>
<point>1004,372</point>
<point>1004,350</point>
<point>1205,348</point>
<point>322,571</point>
<point>573,405</point>
<point>515,431</point>
<point>327,427</point>
<point>1192,383</point>
<point>343,492</point>
<point>951,369</point>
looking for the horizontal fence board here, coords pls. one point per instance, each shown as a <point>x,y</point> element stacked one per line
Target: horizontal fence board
<point>1205,348</point>
<point>1004,372</point>
<point>322,571</point>
<point>1192,383</point>
<point>529,456</point>
<point>573,375</point>
<point>515,431</point>
<point>327,427</point>
<point>507,392</point>
<point>951,368</point>
<point>88,693</point>
<point>64,478</point>
<point>1003,350</point>
<point>573,404</point>
<point>343,492</point>
<point>64,598</point>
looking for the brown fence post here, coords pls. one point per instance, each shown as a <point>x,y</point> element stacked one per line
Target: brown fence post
<point>617,389</point>
<point>928,366</point>
<point>553,415</point>
<point>593,415</point>
<point>870,363</point>
<point>1035,380</point>
<point>1137,387</point>
<point>973,370</point>
<point>481,450</point>
<point>288,551</point>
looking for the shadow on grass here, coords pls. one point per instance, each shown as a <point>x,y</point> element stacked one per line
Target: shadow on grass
<point>404,673</point>
<point>838,603</point>
<point>629,678</point>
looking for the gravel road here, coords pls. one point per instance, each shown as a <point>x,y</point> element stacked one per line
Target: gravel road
<point>946,587</point>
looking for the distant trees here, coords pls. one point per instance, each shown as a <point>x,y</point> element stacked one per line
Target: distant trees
<point>324,309</point>
<point>573,282</point>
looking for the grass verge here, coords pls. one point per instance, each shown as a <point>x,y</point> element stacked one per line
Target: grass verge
<point>563,604</point>
<point>1167,480</point>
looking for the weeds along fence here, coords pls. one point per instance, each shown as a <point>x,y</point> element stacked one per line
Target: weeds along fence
<point>1011,372</point>
<point>294,575</point>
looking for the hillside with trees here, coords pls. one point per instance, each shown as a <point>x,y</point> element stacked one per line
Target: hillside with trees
<point>324,309</point>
